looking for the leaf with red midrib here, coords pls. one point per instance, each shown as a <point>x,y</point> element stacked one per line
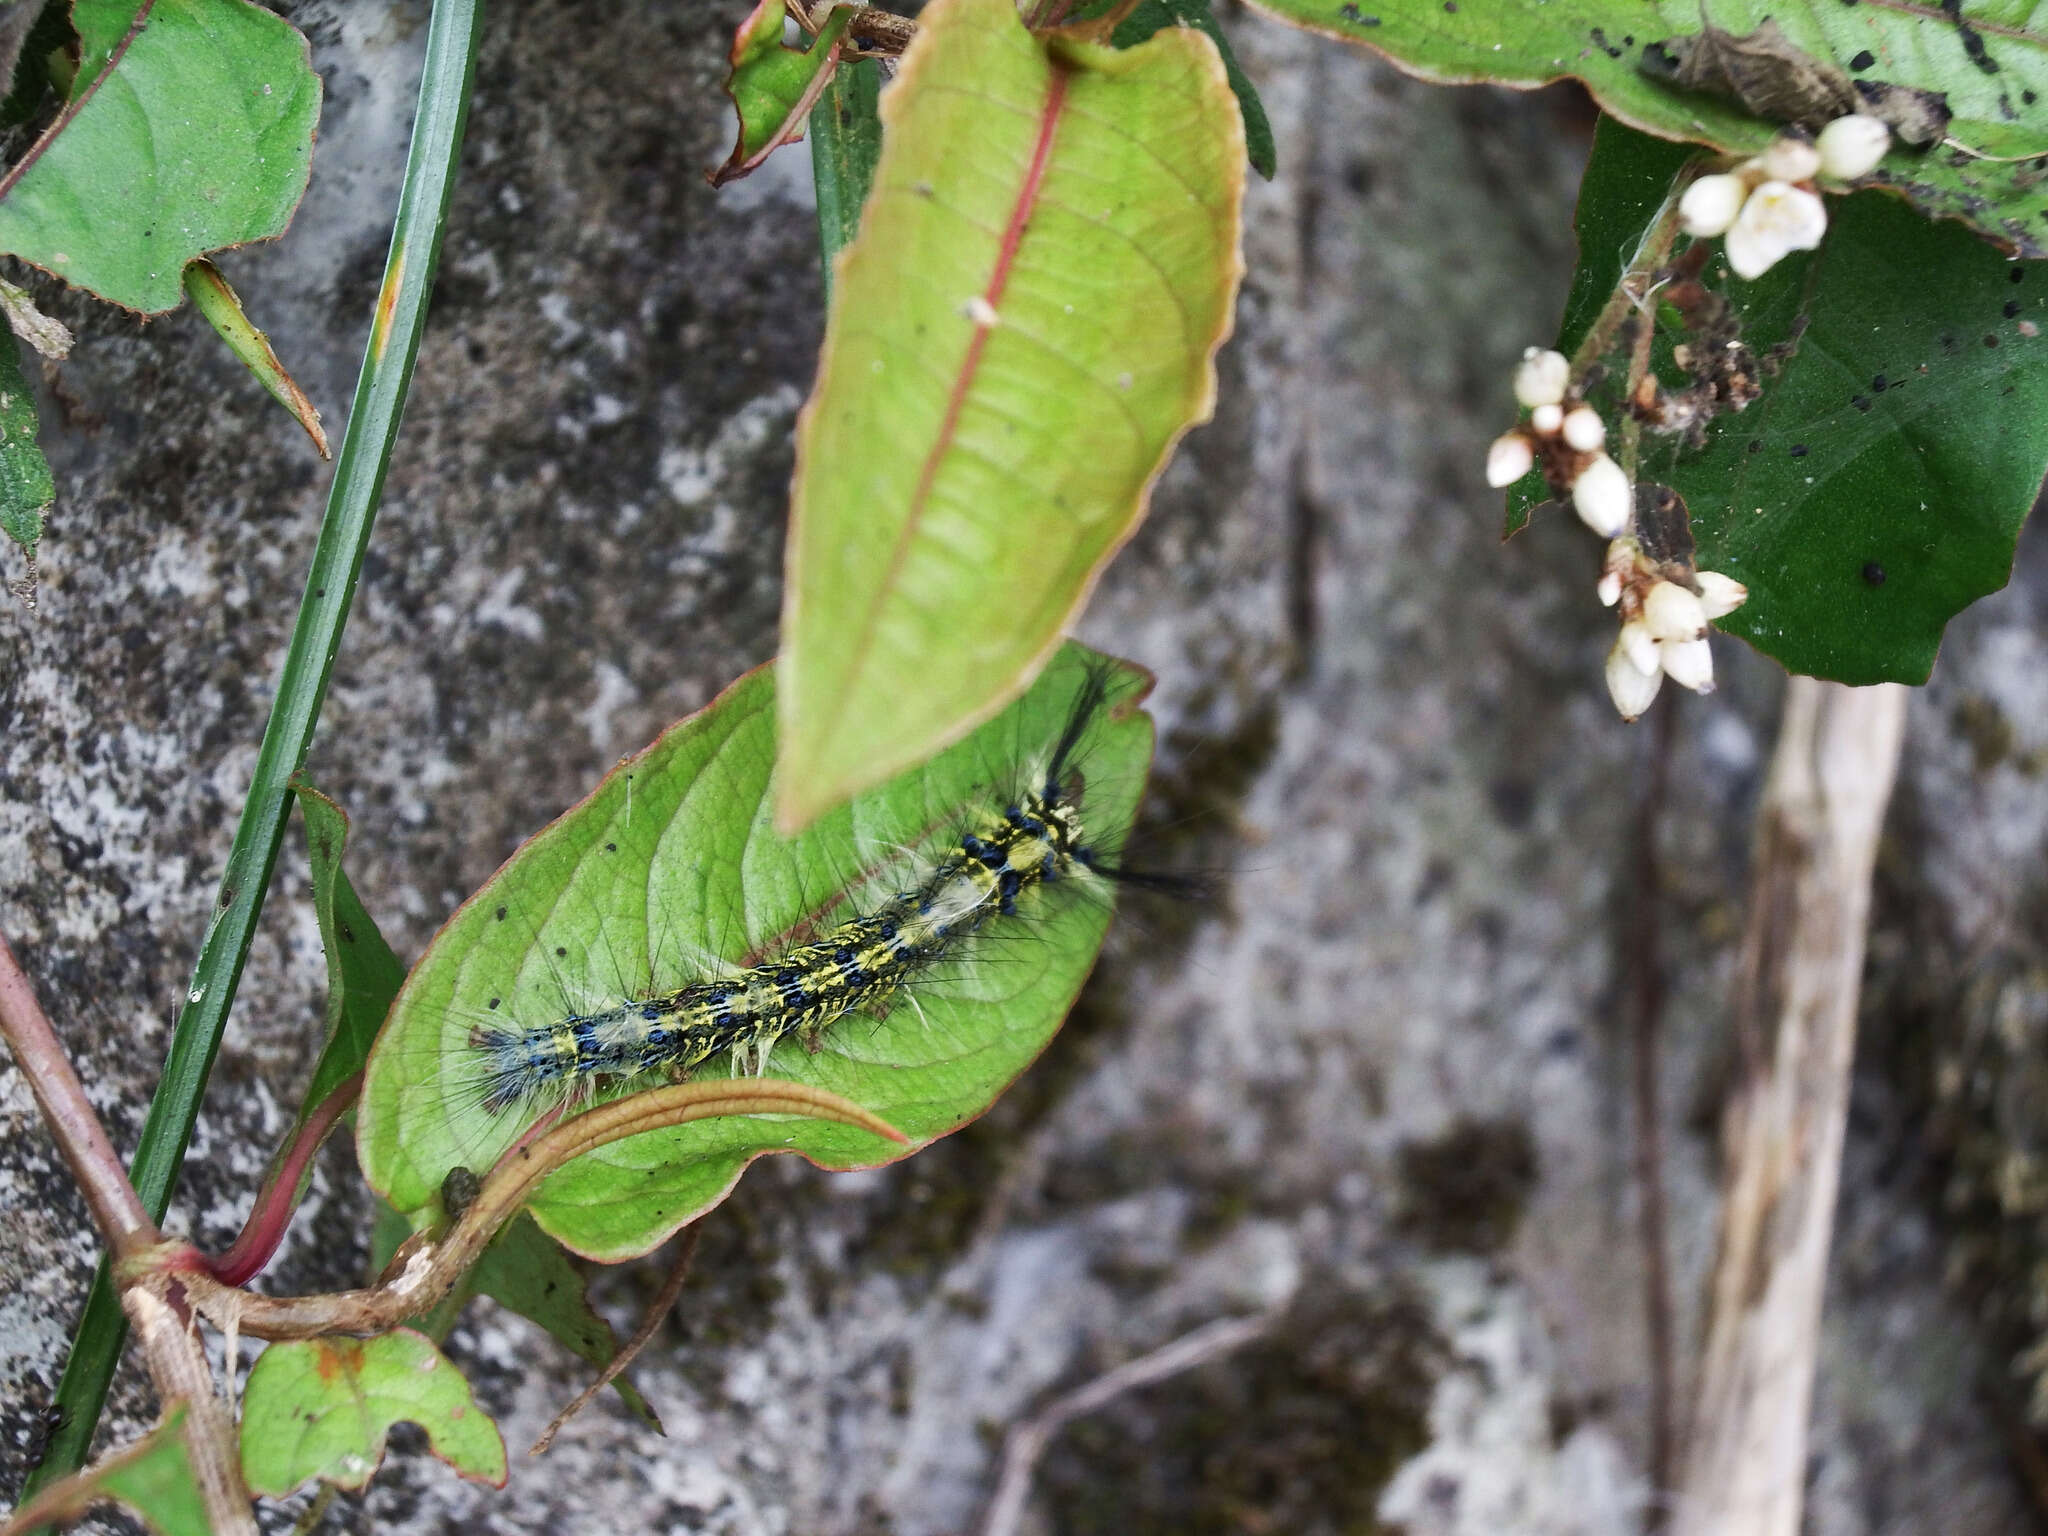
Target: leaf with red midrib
<point>1024,327</point>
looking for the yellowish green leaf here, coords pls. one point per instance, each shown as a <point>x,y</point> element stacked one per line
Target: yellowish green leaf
<point>1023,328</point>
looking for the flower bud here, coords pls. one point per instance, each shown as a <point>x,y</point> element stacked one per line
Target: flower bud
<point>1631,688</point>
<point>1851,146</point>
<point>1509,459</point>
<point>1545,420</point>
<point>1542,377</point>
<point>1710,205</point>
<point>1583,428</point>
<point>1778,218</point>
<point>1635,643</point>
<point>1603,497</point>
<point>1791,159</point>
<point>1690,663</point>
<point>1721,595</point>
<point>1672,613</point>
<point>1609,589</point>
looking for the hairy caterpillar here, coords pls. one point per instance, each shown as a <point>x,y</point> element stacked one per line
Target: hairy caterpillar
<point>864,963</point>
<point>921,945</point>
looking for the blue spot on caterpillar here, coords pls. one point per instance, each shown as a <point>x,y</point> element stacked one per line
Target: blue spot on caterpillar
<point>864,963</point>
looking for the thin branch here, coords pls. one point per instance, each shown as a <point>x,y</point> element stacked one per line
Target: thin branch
<point>1823,807</point>
<point>1026,1442</point>
<point>1644,964</point>
<point>664,1301</point>
<point>177,1367</point>
<point>1651,253</point>
<point>61,1097</point>
<point>432,1269</point>
<point>72,108</point>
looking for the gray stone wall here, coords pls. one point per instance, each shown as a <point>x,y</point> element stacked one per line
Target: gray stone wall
<point>1380,1082</point>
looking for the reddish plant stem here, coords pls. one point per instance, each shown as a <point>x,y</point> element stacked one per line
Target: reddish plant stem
<point>61,1097</point>
<point>272,1212</point>
<point>73,108</point>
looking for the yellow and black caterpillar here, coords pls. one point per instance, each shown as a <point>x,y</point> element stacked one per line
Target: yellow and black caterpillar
<point>862,963</point>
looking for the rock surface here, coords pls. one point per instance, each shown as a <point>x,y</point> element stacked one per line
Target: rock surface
<point>1378,1089</point>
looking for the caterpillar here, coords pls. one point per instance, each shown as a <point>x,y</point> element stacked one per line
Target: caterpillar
<point>912,950</point>
<point>863,964</point>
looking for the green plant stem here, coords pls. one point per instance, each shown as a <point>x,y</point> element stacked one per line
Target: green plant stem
<point>846,140</point>
<point>452,37</point>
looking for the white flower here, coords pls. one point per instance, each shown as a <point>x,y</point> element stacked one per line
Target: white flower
<point>1583,429</point>
<point>1721,595</point>
<point>1603,497</point>
<point>1509,459</point>
<point>1710,205</point>
<point>1542,377</point>
<point>1778,218</point>
<point>1635,643</point>
<point>1631,688</point>
<point>1790,159</point>
<point>1689,663</point>
<point>1851,146</point>
<point>1672,613</point>
<point>1545,420</point>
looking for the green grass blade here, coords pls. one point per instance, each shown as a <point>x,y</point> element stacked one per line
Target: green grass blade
<point>452,37</point>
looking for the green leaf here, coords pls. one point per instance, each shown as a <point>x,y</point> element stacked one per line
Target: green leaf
<point>1877,487</point>
<point>846,141</point>
<point>26,486</point>
<point>672,867</point>
<point>195,136</point>
<point>528,1272</point>
<point>960,482</point>
<point>1989,58</point>
<point>362,978</point>
<point>773,87</point>
<point>1150,15</point>
<point>152,1478</point>
<point>321,1408</point>
<point>363,975</point>
<point>222,307</point>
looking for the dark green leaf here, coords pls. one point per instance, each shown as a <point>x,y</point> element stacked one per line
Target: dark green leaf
<point>363,975</point>
<point>529,1272</point>
<point>1878,486</point>
<point>1987,58</point>
<point>846,141</point>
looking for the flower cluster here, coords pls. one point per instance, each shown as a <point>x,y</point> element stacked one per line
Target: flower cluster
<point>1664,617</point>
<point>1768,206</point>
<point>1570,437</point>
<point>1665,604</point>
